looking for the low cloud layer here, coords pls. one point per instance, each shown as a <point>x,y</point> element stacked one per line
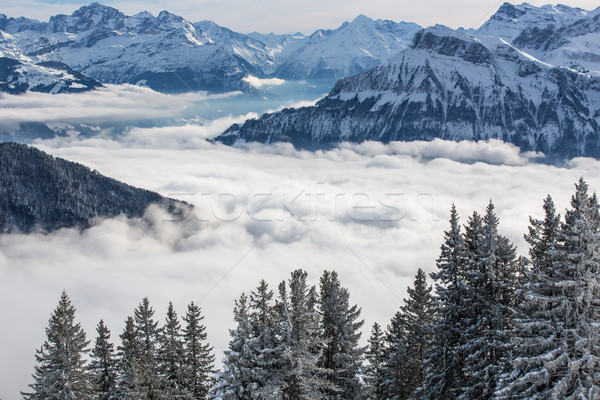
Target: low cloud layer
<point>373,212</point>
<point>113,103</point>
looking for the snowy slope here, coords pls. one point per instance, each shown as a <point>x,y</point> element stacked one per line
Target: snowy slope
<point>19,76</point>
<point>351,49</point>
<point>450,85</point>
<point>169,53</point>
<point>510,20</point>
<point>164,52</point>
<point>559,35</point>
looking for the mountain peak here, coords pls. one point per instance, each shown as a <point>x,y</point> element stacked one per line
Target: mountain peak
<point>509,11</point>
<point>96,8</point>
<point>362,19</point>
<point>144,15</point>
<point>87,18</point>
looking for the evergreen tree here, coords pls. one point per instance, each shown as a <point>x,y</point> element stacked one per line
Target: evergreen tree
<point>418,315</point>
<point>340,359</point>
<point>375,367</point>
<point>147,337</point>
<point>395,356</point>
<point>128,375</point>
<point>103,366</point>
<point>171,357</point>
<point>558,349</point>
<point>265,347</point>
<point>491,278</point>
<point>406,342</point>
<point>236,379</point>
<point>443,359</point>
<point>61,373</point>
<point>536,326</point>
<point>199,357</point>
<point>297,328</point>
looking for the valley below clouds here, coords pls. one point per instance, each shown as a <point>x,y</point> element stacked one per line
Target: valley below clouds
<point>374,212</point>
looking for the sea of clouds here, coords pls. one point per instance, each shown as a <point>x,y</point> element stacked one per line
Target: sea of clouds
<point>373,212</point>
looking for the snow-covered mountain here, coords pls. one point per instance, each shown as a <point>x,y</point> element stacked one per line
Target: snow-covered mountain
<point>452,85</point>
<point>164,52</point>
<point>18,76</point>
<point>559,35</point>
<point>169,53</point>
<point>349,50</point>
<point>510,20</point>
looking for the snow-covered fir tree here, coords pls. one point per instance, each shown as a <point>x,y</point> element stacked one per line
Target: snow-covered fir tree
<point>537,329</point>
<point>395,357</point>
<point>236,379</point>
<point>406,341</point>
<point>558,338</point>
<point>265,345</point>
<point>443,359</point>
<point>103,365</point>
<point>198,355</point>
<point>171,357</point>
<point>373,371</point>
<point>418,314</point>
<point>491,278</point>
<point>297,330</point>
<point>147,335</point>
<point>341,357</point>
<point>61,371</point>
<point>128,370</point>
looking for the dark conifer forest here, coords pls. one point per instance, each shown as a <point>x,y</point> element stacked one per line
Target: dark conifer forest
<point>486,324</point>
<point>38,191</point>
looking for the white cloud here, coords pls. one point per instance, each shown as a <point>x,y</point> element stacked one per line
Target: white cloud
<point>371,211</point>
<point>113,103</point>
<point>258,83</point>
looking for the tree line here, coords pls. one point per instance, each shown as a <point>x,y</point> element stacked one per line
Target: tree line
<point>491,325</point>
<point>152,362</point>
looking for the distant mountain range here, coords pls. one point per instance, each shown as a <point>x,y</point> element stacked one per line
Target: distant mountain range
<point>38,191</point>
<point>170,54</point>
<point>19,76</point>
<point>528,76</point>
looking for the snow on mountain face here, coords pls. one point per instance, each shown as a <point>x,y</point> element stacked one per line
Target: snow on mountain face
<point>165,52</point>
<point>351,49</point>
<point>510,20</point>
<point>559,35</point>
<point>575,46</point>
<point>168,53</point>
<point>18,76</point>
<point>453,86</point>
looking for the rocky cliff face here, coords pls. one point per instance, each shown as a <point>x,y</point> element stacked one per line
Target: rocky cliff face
<point>451,85</point>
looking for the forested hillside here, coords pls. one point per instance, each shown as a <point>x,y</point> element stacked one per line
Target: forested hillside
<point>40,191</point>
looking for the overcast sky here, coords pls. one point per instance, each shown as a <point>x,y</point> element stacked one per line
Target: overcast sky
<point>286,16</point>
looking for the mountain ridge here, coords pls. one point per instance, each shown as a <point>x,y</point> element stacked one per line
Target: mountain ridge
<point>41,192</point>
<point>448,84</point>
<point>160,51</point>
